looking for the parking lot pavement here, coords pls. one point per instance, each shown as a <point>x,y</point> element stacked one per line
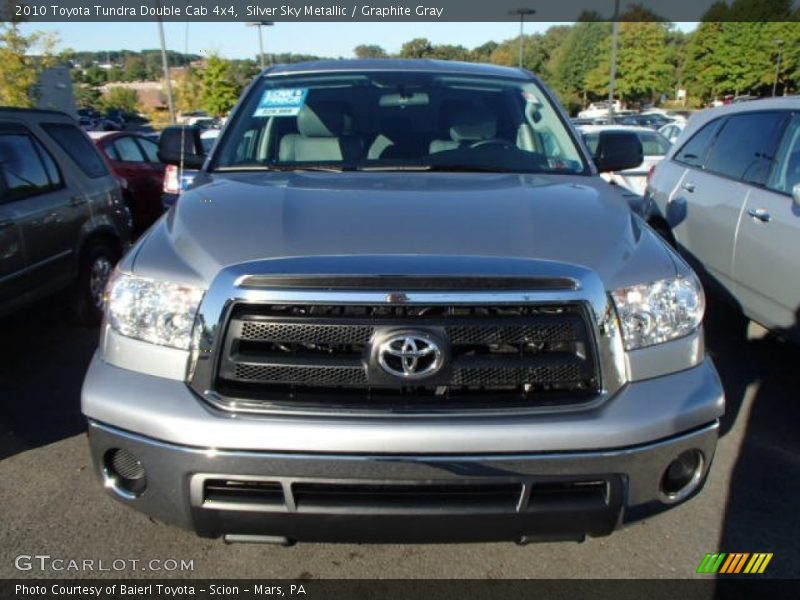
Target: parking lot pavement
<point>51,502</point>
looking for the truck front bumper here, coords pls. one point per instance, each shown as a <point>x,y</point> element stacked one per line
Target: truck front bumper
<point>548,477</point>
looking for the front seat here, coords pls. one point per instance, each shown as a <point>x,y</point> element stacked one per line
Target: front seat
<point>324,135</point>
<point>468,124</point>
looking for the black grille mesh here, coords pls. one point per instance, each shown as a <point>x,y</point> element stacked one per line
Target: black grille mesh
<point>488,376</point>
<point>496,355</point>
<point>308,375</point>
<point>298,332</point>
<point>126,464</point>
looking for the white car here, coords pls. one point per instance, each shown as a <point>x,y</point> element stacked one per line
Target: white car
<point>598,110</point>
<point>671,131</point>
<point>654,147</point>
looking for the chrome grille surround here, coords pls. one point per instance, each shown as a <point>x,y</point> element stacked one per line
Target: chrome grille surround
<point>228,291</point>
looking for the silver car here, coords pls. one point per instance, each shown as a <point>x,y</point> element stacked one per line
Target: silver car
<point>728,194</point>
<point>399,304</point>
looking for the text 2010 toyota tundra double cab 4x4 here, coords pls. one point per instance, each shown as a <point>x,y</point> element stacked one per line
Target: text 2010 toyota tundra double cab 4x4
<point>399,304</point>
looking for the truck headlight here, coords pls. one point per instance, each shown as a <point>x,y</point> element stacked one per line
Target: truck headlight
<point>159,312</point>
<point>653,313</point>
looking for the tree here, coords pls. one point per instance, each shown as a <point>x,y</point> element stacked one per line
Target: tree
<point>188,88</point>
<point>369,51</point>
<point>734,49</point>
<point>153,68</point>
<point>120,98</point>
<point>115,74</point>
<point>537,50</point>
<point>703,71</point>
<point>220,90</point>
<point>19,69</point>
<point>448,52</point>
<point>483,52</point>
<point>87,96</point>
<point>134,69</point>
<point>643,68</point>
<point>577,56</point>
<point>416,48</point>
<point>243,71</point>
<point>95,76</point>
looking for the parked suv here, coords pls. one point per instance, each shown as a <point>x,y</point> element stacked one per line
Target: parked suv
<point>399,303</point>
<point>728,194</point>
<point>62,220</point>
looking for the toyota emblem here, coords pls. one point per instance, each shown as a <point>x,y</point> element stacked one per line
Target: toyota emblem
<point>410,356</point>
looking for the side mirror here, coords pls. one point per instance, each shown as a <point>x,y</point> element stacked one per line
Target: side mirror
<point>181,144</point>
<point>617,151</point>
<point>796,194</point>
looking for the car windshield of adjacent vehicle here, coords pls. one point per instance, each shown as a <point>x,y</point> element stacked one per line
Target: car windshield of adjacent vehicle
<point>386,121</point>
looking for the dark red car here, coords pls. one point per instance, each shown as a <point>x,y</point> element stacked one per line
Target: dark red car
<point>134,158</point>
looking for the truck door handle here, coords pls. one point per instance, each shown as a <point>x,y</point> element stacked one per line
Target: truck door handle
<point>689,187</point>
<point>77,200</point>
<point>760,214</point>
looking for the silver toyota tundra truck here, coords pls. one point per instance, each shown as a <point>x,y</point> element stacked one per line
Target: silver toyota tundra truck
<point>399,304</point>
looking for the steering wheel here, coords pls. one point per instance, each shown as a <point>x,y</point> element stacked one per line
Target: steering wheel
<point>491,142</point>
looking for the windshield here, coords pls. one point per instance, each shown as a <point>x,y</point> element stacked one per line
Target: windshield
<point>397,121</point>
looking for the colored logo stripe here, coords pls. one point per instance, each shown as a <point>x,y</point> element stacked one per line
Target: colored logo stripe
<point>711,563</point>
<point>758,563</point>
<point>734,563</point>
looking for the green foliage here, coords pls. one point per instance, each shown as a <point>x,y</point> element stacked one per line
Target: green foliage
<point>220,88</point>
<point>19,68</point>
<point>87,96</point>
<point>575,58</point>
<point>369,51</point>
<point>122,99</point>
<point>134,69</point>
<point>188,88</point>
<point>416,48</point>
<point>483,53</point>
<point>423,48</point>
<point>537,50</point>
<point>644,71</point>
<point>95,76</point>
<point>740,57</point>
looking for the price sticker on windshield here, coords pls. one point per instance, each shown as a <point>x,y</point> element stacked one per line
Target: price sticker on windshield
<point>285,102</point>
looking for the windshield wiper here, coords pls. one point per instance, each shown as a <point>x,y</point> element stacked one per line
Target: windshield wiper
<point>395,168</point>
<point>333,168</point>
<point>436,168</point>
<point>467,169</point>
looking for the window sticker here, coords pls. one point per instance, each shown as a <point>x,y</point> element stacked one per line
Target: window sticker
<point>285,102</point>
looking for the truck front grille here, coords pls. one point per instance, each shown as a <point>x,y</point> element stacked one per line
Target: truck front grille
<point>318,356</point>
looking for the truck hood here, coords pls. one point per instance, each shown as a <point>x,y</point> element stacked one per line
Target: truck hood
<point>235,218</point>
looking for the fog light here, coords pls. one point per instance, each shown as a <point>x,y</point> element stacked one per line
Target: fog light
<point>124,473</point>
<point>682,476</point>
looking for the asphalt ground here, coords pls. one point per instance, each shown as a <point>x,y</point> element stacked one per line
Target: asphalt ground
<point>51,502</point>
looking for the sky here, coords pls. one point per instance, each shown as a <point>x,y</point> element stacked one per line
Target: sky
<point>236,40</point>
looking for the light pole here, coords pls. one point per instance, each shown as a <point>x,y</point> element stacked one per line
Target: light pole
<point>260,24</point>
<point>612,79</point>
<point>521,12</point>
<point>165,66</point>
<point>779,44</point>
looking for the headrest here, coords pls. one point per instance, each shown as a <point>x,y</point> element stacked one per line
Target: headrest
<point>472,123</point>
<point>326,119</point>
